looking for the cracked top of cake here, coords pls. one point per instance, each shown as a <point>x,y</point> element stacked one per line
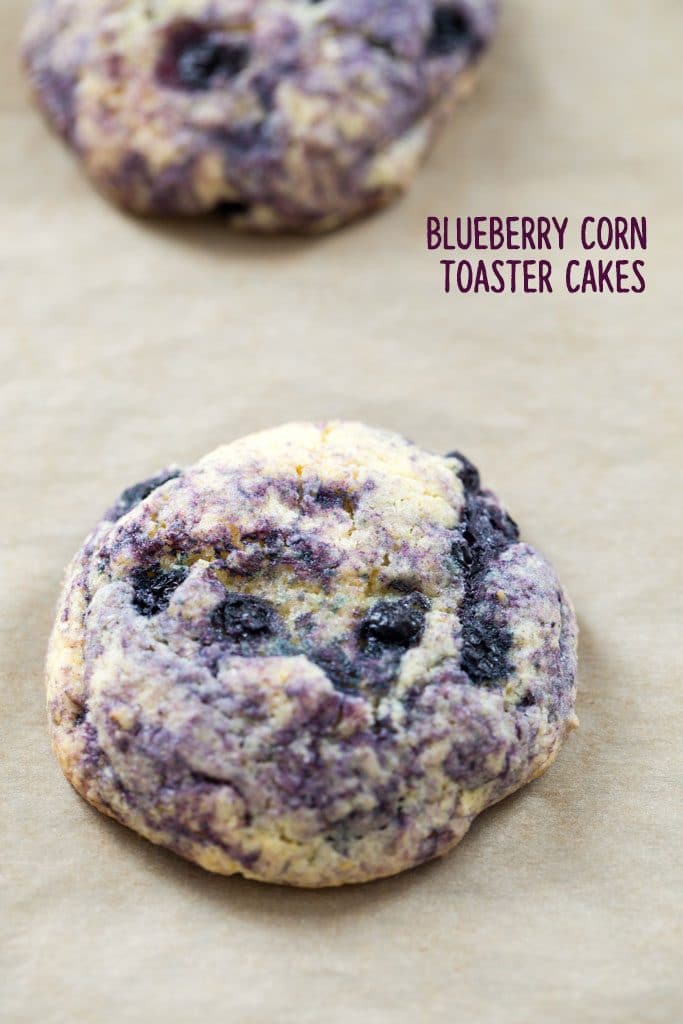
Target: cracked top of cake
<point>282,114</point>
<point>313,657</point>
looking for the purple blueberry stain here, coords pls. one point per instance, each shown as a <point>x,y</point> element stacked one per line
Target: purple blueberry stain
<point>337,666</point>
<point>80,713</point>
<point>246,141</point>
<point>328,497</point>
<point>58,93</point>
<point>474,743</point>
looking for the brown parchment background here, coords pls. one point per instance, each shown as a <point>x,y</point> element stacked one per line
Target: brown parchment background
<point>127,345</point>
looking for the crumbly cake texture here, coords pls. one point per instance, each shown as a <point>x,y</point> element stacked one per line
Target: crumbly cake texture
<point>312,658</point>
<point>282,114</point>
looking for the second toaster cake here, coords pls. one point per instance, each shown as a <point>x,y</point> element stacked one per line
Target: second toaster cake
<point>282,114</point>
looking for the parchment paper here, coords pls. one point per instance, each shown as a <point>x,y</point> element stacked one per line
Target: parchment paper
<point>127,345</point>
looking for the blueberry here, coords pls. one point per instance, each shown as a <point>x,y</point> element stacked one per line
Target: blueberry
<point>230,208</point>
<point>153,588</point>
<point>485,531</point>
<point>461,552</point>
<point>243,619</point>
<point>485,647</point>
<point>403,585</point>
<point>207,60</point>
<point>393,624</point>
<point>451,30</point>
<point>469,474</point>
<point>196,59</point>
<point>132,496</point>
